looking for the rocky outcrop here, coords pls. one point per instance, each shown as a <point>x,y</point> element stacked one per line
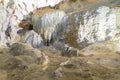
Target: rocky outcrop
<point>31,37</point>
<point>64,24</point>
<point>12,12</point>
<point>99,25</point>
<point>51,25</point>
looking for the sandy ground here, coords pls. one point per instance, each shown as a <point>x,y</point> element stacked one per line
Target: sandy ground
<point>100,61</point>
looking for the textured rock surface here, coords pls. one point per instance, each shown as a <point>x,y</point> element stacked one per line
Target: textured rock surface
<point>50,25</point>
<point>69,51</point>
<point>32,38</point>
<point>83,21</point>
<point>11,14</point>
<point>99,25</point>
<point>77,23</point>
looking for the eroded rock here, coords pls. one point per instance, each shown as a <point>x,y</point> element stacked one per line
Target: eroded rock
<point>50,25</point>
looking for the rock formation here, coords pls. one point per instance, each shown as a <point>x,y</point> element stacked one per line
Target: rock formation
<point>34,35</point>
<point>99,25</point>
<point>50,25</point>
<point>13,12</point>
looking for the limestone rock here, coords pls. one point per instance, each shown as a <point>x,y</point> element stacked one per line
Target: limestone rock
<point>32,38</point>
<point>51,25</point>
<point>12,12</point>
<point>99,24</point>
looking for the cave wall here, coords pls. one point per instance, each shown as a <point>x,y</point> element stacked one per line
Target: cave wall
<point>99,25</point>
<point>12,12</point>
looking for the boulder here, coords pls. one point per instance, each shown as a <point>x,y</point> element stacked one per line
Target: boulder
<point>27,54</point>
<point>69,51</point>
<point>31,37</point>
<point>58,73</point>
